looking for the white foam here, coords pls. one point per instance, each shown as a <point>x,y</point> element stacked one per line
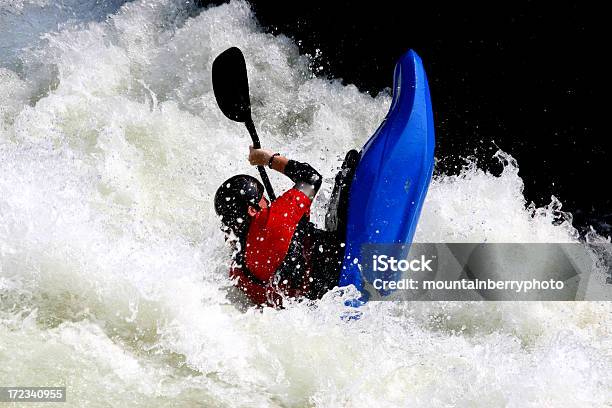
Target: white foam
<point>113,268</point>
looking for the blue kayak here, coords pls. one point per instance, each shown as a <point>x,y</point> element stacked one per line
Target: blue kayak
<point>393,174</point>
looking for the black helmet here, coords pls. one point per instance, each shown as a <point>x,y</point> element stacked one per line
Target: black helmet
<point>234,197</point>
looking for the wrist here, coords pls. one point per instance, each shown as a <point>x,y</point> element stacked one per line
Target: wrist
<point>271,159</point>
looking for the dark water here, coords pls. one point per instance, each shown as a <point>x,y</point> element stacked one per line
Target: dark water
<point>519,77</point>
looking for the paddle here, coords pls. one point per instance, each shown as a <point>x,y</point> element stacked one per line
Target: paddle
<point>231,86</point>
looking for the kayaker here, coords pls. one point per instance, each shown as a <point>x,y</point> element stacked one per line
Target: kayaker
<point>278,252</point>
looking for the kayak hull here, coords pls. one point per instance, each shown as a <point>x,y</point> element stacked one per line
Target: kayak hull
<point>393,174</point>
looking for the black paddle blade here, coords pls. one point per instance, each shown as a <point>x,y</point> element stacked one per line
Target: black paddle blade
<point>231,85</point>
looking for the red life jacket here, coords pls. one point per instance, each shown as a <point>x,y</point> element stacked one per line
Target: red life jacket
<point>267,243</point>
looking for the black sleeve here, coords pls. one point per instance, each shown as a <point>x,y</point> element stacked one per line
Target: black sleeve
<point>303,173</point>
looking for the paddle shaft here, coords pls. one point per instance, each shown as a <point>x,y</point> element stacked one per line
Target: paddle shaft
<point>262,171</point>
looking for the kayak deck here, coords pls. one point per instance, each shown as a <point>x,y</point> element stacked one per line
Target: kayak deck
<point>393,174</point>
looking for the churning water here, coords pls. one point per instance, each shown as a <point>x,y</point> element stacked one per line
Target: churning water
<point>113,270</point>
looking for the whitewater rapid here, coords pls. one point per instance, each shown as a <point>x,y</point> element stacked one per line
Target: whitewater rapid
<point>113,269</point>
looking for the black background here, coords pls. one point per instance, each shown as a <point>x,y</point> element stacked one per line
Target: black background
<point>520,77</point>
